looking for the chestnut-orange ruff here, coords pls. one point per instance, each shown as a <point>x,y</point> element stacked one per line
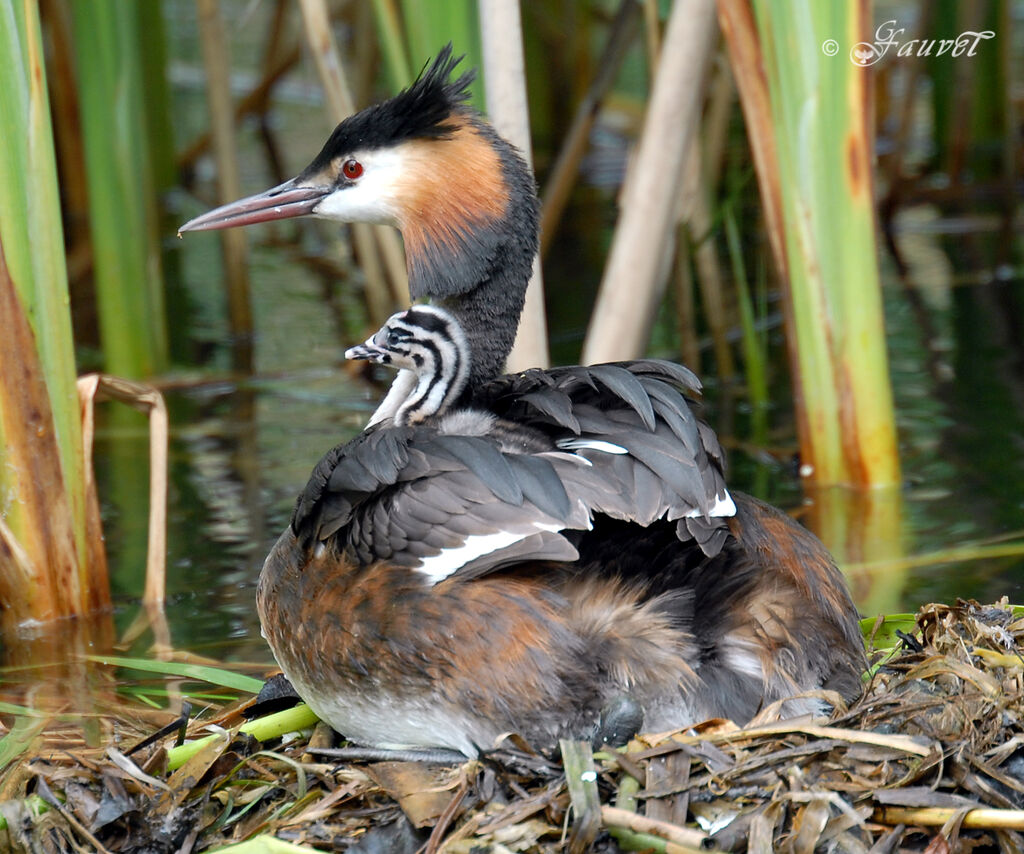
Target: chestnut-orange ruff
<point>454,188</point>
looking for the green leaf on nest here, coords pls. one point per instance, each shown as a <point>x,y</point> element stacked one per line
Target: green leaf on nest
<point>202,672</point>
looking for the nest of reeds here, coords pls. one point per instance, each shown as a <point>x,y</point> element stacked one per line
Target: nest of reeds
<point>931,758</point>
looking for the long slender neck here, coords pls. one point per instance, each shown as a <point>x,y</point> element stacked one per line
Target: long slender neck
<point>401,387</point>
<point>441,378</point>
<point>480,269</point>
<point>434,393</point>
<point>489,315</point>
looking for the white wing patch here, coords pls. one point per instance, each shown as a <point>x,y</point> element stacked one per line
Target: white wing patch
<point>590,445</point>
<point>439,567</point>
<point>724,506</point>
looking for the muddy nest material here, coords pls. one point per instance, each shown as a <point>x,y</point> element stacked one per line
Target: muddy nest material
<point>929,759</point>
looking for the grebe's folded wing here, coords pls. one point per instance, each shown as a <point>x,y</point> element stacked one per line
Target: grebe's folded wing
<point>458,506</point>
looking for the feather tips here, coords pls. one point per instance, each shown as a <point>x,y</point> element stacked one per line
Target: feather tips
<point>633,450</point>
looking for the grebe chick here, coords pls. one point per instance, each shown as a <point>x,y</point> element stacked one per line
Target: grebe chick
<point>428,342</point>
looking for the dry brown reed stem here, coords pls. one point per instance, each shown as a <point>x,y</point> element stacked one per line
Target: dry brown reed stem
<point>902,743</point>
<point>501,43</point>
<point>673,772</point>
<point>42,576</point>
<point>717,116</point>
<point>153,617</point>
<point>635,274</point>
<point>980,819</point>
<point>710,278</point>
<point>67,139</point>
<point>217,61</point>
<point>703,169</point>
<point>149,401</point>
<point>277,27</point>
<point>566,167</point>
<point>688,838</point>
<point>380,253</point>
<point>274,45</point>
<point>652,34</point>
<point>736,19</point>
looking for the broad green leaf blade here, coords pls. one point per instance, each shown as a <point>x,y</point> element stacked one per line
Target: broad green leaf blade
<point>886,637</point>
<point>202,672</point>
<point>122,208</point>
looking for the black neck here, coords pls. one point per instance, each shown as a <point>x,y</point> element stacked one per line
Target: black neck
<point>489,314</point>
<point>482,279</point>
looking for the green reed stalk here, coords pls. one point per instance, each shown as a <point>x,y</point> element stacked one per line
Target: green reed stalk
<point>48,566</point>
<point>430,26</point>
<point>157,100</point>
<point>941,18</point>
<point>412,32</point>
<point>126,253</point>
<point>393,44</point>
<point>820,118</point>
<point>30,218</point>
<point>754,356</point>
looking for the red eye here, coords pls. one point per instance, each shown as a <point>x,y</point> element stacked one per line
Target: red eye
<point>352,169</point>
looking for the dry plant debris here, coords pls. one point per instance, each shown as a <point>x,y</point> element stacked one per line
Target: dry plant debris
<point>930,759</point>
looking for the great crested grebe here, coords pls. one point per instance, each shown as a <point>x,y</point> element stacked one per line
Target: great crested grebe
<point>520,553</point>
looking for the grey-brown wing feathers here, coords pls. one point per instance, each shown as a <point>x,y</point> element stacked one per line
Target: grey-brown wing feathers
<point>627,388</point>
<point>558,407</point>
<point>623,442</point>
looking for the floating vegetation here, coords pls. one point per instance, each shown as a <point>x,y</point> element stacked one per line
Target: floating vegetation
<point>930,759</point>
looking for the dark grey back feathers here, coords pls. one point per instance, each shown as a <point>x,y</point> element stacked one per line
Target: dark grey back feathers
<point>406,494</point>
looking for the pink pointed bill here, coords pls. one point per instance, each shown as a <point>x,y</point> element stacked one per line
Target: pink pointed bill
<point>281,202</point>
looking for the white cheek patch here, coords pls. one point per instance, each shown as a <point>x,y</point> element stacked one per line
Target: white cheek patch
<point>372,197</point>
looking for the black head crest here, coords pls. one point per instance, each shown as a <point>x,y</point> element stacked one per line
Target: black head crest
<point>423,111</point>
